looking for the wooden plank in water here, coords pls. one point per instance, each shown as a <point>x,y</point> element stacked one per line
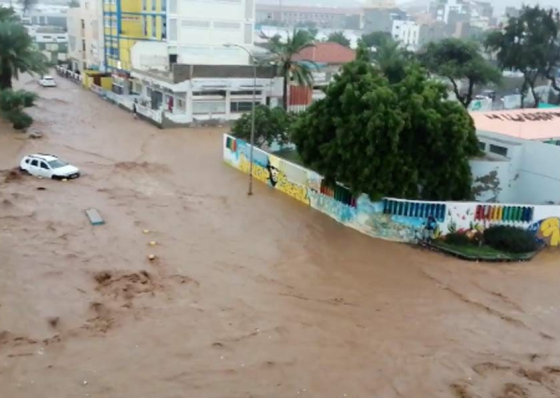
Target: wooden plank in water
<point>94,217</point>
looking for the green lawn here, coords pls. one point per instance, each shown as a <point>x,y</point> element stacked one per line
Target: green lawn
<point>484,253</point>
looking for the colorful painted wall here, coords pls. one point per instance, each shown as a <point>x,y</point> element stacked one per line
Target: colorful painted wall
<point>391,219</point>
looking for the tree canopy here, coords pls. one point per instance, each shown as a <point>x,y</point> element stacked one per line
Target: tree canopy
<point>402,139</point>
<point>18,53</point>
<point>391,59</point>
<point>460,60</point>
<point>376,39</point>
<point>271,125</point>
<point>338,37</point>
<point>530,44</point>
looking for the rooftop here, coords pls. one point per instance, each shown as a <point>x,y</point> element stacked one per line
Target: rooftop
<point>527,124</point>
<point>327,53</point>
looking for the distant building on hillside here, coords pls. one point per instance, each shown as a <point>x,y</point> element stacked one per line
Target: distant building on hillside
<point>324,17</point>
<point>378,16</point>
<point>407,33</point>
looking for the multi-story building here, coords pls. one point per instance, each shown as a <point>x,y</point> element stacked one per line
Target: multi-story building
<point>85,37</point>
<point>323,17</point>
<point>407,32</point>
<point>189,31</point>
<point>52,41</point>
<point>378,16</point>
<point>180,62</point>
<point>126,22</point>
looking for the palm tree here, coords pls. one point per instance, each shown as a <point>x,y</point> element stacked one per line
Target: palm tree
<point>27,5</point>
<point>7,14</point>
<point>391,59</point>
<point>17,53</point>
<point>285,51</point>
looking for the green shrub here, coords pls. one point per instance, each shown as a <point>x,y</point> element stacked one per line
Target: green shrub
<point>457,238</point>
<point>20,120</point>
<point>510,239</point>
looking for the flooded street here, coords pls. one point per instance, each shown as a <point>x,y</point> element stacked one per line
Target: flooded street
<point>247,297</point>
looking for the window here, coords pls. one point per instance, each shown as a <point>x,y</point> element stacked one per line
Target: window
<point>27,161</point>
<point>246,93</point>
<point>195,24</point>
<point>44,166</point>
<point>227,25</point>
<point>173,29</point>
<point>481,146</point>
<point>153,5</point>
<point>154,30</point>
<point>143,5</point>
<point>221,93</point>
<point>163,5</point>
<point>241,106</point>
<point>498,150</point>
<point>248,33</point>
<point>35,163</point>
<point>208,107</point>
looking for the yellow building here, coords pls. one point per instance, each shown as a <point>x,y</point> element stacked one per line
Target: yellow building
<point>125,22</point>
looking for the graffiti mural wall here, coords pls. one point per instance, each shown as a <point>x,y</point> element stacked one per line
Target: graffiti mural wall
<point>390,219</point>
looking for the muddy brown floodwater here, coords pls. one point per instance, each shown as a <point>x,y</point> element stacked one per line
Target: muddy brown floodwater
<point>247,297</point>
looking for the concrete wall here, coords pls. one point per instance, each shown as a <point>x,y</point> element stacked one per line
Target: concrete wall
<point>391,219</point>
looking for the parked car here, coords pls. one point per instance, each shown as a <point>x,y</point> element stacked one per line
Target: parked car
<point>48,166</point>
<point>47,81</point>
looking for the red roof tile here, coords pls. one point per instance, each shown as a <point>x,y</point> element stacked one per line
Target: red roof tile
<point>328,53</point>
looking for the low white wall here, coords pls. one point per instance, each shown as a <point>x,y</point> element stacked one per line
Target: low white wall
<point>391,219</point>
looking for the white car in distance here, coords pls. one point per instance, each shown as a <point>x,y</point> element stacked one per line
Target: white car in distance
<point>48,166</point>
<point>47,81</point>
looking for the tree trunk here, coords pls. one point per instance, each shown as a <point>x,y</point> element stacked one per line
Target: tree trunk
<point>5,77</point>
<point>469,98</point>
<point>286,86</point>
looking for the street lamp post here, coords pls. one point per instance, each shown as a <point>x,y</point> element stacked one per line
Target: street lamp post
<point>250,190</point>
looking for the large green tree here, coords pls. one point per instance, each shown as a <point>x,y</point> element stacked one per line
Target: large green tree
<point>402,139</point>
<point>458,61</point>
<point>284,52</point>
<point>529,44</point>
<point>338,37</point>
<point>271,125</point>
<point>18,53</point>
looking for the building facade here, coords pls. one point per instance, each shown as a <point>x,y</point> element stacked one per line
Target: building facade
<point>407,33</point>
<point>52,41</point>
<point>126,22</point>
<point>85,37</point>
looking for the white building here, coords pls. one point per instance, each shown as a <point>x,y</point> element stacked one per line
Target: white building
<point>407,33</point>
<point>199,72</point>
<point>85,37</point>
<point>197,32</point>
<point>522,148</point>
